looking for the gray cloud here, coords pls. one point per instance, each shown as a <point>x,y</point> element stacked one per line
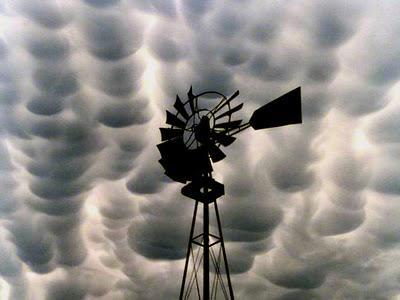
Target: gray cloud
<point>124,114</point>
<point>45,13</point>
<point>49,47</point>
<point>34,246</point>
<point>110,37</point>
<point>310,211</point>
<point>62,290</point>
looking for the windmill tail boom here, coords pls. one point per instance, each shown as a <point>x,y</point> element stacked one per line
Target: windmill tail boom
<point>282,111</point>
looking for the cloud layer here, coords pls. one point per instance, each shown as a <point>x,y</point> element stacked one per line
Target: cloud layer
<point>310,211</point>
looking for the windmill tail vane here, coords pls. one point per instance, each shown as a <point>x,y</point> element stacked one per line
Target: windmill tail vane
<point>197,131</point>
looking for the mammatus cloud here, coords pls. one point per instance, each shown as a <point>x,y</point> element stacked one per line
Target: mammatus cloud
<point>310,211</point>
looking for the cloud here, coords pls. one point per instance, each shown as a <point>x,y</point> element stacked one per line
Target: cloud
<point>119,115</point>
<point>10,265</point>
<point>34,246</point>
<point>108,34</point>
<point>62,290</point>
<point>310,211</point>
<point>145,238</point>
<point>45,13</point>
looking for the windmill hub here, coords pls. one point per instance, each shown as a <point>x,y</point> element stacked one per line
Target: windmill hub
<point>192,137</point>
<point>202,131</point>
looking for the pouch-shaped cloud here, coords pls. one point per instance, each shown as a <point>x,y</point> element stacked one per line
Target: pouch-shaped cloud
<point>86,212</point>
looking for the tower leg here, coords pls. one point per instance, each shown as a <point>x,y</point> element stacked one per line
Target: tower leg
<point>188,251</point>
<point>206,261</point>
<point>223,251</point>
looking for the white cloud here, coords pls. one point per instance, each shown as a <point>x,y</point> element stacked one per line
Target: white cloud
<point>310,210</point>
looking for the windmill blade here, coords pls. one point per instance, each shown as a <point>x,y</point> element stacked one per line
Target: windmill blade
<point>228,125</point>
<point>172,171</point>
<point>230,112</point>
<point>222,105</point>
<point>216,154</point>
<point>180,108</point>
<point>191,99</point>
<point>170,133</point>
<point>174,159</point>
<point>282,111</point>
<point>222,138</point>
<point>170,152</point>
<point>181,163</point>
<point>172,147</point>
<point>174,120</point>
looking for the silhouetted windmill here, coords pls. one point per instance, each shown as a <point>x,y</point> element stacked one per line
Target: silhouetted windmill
<point>198,130</point>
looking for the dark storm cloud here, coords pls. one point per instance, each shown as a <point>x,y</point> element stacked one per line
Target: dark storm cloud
<point>119,79</point>
<point>10,266</point>
<point>383,130</point>
<point>384,127</point>
<point>63,170</point>
<point>245,222</point>
<point>63,290</point>
<point>266,67</point>
<point>54,189</point>
<point>333,23</point>
<point>289,169</point>
<point>118,207</point>
<point>241,260</point>
<point>165,42</point>
<point>75,113</point>
<point>57,81</point>
<point>34,245</point>
<point>193,8</point>
<point>235,54</point>
<point>144,237</point>
<point>336,220</point>
<point>118,115</point>
<point>348,172</point>
<point>102,3</point>
<point>147,181</point>
<point>303,261</point>
<point>315,102</point>
<point>158,7</point>
<point>149,177</point>
<point>64,137</point>
<point>3,49</point>
<point>8,184</point>
<point>45,13</point>
<point>168,218</point>
<point>299,295</point>
<point>58,207</point>
<point>71,248</point>
<point>357,96</point>
<point>386,176</point>
<point>45,105</point>
<point>323,67</point>
<point>8,94</point>
<point>48,46</point>
<point>290,272</point>
<point>8,203</point>
<point>111,35</point>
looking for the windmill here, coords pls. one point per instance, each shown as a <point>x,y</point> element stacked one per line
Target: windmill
<point>189,146</point>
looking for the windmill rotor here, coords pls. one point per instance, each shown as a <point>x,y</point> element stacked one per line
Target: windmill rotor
<point>198,129</point>
<point>196,133</point>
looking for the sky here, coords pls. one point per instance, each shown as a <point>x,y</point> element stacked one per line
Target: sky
<point>311,211</point>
